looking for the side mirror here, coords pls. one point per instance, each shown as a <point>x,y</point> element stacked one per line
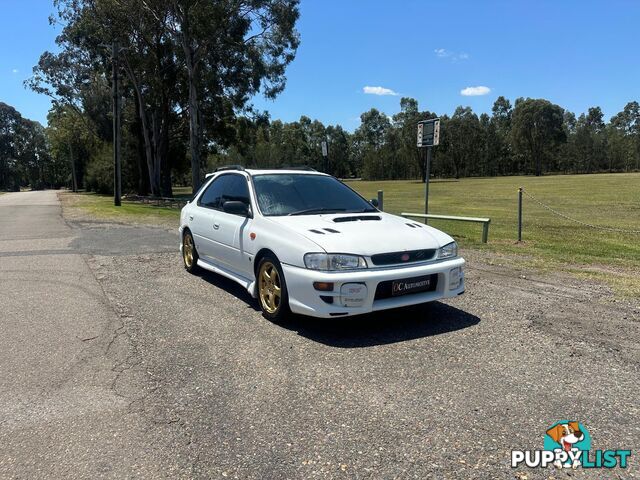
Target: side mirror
<point>374,202</point>
<point>236,207</point>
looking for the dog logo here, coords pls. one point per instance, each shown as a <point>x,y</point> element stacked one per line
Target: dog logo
<point>567,436</point>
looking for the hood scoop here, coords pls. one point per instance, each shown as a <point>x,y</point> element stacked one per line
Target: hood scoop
<point>362,218</point>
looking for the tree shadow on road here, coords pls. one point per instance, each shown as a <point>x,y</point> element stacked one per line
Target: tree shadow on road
<point>382,328</point>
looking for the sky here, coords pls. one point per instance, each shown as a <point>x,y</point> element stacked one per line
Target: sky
<point>360,54</point>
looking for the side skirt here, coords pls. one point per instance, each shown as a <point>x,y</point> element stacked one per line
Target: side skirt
<point>245,282</point>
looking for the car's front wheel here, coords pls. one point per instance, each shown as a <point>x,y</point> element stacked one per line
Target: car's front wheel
<point>272,289</point>
<point>189,252</point>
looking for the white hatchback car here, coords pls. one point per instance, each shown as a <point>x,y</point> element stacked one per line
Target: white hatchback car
<point>303,241</point>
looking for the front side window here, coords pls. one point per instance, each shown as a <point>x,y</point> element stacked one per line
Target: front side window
<point>236,189</point>
<point>223,189</point>
<point>212,196</point>
<point>305,194</point>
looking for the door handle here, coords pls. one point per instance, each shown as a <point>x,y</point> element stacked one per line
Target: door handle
<point>216,226</point>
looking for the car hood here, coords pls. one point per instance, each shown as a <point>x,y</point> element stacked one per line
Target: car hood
<point>352,233</point>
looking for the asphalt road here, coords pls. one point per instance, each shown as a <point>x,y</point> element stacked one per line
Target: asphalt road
<point>116,363</point>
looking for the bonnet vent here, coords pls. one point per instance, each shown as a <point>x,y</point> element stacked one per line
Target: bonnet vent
<point>362,218</point>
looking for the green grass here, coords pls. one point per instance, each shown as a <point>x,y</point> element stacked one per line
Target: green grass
<point>611,200</point>
<point>102,207</point>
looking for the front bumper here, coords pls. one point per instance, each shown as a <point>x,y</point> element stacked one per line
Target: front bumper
<point>306,300</point>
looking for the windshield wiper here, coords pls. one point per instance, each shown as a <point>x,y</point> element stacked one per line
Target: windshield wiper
<point>317,210</point>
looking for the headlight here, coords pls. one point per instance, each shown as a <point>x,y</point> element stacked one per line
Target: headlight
<point>450,250</point>
<point>333,261</point>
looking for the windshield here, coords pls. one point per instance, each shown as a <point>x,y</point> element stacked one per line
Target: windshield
<point>304,194</point>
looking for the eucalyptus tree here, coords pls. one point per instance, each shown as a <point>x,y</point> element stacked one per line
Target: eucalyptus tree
<point>10,121</point>
<point>627,125</point>
<point>231,50</point>
<point>537,131</point>
<point>142,46</point>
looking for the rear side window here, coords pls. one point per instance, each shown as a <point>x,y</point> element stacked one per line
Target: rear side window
<point>223,189</point>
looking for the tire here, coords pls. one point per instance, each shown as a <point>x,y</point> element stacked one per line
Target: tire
<point>273,296</point>
<point>189,252</point>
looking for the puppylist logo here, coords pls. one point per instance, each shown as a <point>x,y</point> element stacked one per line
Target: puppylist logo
<point>568,445</point>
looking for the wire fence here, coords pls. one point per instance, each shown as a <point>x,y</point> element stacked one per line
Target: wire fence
<point>575,220</point>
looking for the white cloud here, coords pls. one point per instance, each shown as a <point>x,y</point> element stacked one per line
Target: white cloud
<point>475,91</point>
<point>15,70</point>
<point>379,91</point>
<point>441,52</point>
<point>453,56</point>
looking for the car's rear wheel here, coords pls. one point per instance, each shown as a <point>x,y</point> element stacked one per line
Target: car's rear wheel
<point>272,289</point>
<point>189,252</point>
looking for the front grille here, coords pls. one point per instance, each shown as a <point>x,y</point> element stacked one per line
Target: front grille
<point>384,289</point>
<point>403,257</point>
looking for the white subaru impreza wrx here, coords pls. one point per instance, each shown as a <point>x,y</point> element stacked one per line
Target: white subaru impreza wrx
<point>304,242</point>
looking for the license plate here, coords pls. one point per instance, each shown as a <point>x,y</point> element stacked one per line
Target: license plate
<point>413,285</point>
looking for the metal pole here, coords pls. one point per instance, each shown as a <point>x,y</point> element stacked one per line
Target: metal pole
<point>427,170</point>
<point>485,231</point>
<point>381,200</point>
<point>117,185</point>
<point>520,214</point>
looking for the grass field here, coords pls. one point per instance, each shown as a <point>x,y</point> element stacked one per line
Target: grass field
<point>549,241</point>
<point>608,200</point>
<point>102,207</point>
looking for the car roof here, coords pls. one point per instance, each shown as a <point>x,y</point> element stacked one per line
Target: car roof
<point>272,171</point>
<point>257,171</point>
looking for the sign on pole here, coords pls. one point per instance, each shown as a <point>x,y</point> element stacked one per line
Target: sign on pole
<point>429,133</point>
<point>428,137</point>
<point>325,150</point>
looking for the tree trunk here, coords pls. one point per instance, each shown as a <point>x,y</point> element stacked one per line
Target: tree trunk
<point>74,180</point>
<point>194,109</point>
<point>165,181</point>
<point>143,170</point>
<point>154,177</point>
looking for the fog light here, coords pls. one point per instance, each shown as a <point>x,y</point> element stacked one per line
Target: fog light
<point>455,277</point>
<point>323,286</point>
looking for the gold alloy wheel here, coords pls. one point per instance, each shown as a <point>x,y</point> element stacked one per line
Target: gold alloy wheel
<point>270,288</point>
<point>187,250</point>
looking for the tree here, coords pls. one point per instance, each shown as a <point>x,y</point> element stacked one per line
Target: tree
<point>231,50</point>
<point>627,123</point>
<point>371,135</point>
<point>537,131</point>
<point>501,125</point>
<point>464,136</point>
